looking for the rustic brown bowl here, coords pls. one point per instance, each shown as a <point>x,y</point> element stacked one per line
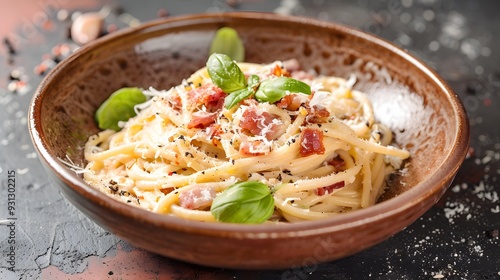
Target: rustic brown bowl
<point>411,98</point>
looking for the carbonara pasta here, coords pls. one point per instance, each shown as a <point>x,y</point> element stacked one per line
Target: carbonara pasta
<point>320,154</point>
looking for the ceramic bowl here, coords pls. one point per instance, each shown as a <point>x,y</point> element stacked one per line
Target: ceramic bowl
<point>425,114</point>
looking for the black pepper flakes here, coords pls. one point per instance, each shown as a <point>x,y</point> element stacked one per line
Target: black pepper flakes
<point>113,189</point>
<point>10,47</point>
<point>473,87</point>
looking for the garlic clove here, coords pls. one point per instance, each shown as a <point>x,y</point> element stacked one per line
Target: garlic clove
<point>87,27</point>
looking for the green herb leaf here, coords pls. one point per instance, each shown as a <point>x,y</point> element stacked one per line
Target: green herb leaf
<point>272,90</point>
<point>225,73</point>
<point>253,81</point>
<point>245,202</point>
<point>118,107</point>
<point>237,96</point>
<point>228,42</point>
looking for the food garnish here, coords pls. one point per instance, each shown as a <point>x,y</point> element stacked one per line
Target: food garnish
<point>245,202</point>
<point>226,74</point>
<point>119,107</point>
<point>228,42</point>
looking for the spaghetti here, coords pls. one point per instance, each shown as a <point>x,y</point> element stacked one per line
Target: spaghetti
<point>320,154</point>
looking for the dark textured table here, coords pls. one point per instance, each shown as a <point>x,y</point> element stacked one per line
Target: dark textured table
<point>44,237</point>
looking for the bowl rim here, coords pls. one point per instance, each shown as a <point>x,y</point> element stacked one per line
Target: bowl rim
<point>408,199</point>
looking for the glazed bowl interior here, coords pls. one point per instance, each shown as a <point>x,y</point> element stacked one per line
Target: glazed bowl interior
<point>424,113</point>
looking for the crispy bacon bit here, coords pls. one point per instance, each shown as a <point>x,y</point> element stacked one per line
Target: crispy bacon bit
<point>209,95</point>
<point>167,190</point>
<point>317,114</point>
<point>278,71</point>
<point>175,102</point>
<point>197,198</point>
<point>254,148</point>
<point>338,163</point>
<point>214,132</point>
<point>202,119</point>
<point>311,142</point>
<point>329,189</point>
<point>250,102</point>
<point>293,101</point>
<point>261,123</point>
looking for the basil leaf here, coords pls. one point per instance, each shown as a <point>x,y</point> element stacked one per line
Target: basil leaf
<point>253,81</point>
<point>225,73</point>
<point>245,202</point>
<point>273,89</point>
<point>237,96</point>
<point>118,107</point>
<point>228,42</point>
